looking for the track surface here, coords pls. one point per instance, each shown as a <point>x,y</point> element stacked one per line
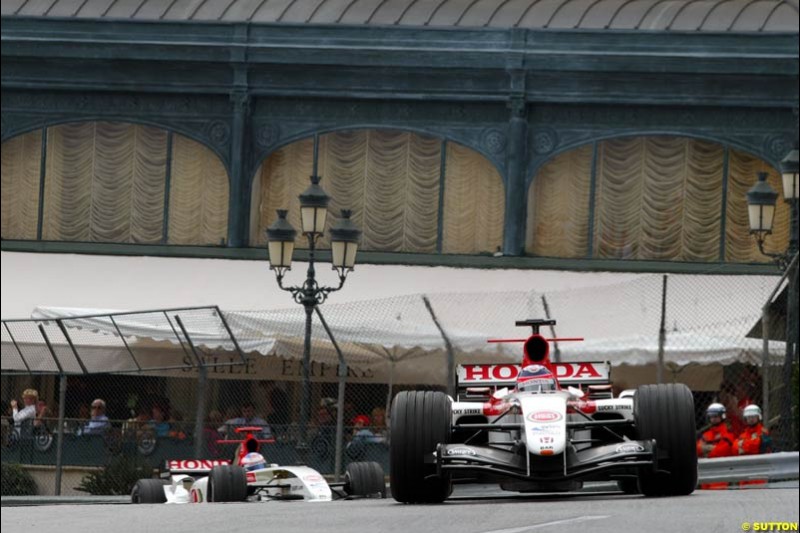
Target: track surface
<point>706,511</point>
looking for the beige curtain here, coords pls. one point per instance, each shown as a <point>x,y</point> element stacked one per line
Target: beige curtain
<point>21,161</point>
<point>389,179</point>
<point>104,183</point>
<point>658,198</point>
<point>198,201</point>
<point>558,206</point>
<point>474,203</point>
<point>740,246</point>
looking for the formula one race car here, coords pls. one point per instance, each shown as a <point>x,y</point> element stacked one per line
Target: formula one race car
<point>250,478</point>
<point>533,435</point>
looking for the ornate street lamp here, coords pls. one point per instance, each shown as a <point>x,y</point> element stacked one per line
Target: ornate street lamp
<point>761,211</point>
<point>344,245</point>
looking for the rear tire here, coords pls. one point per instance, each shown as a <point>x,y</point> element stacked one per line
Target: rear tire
<point>420,421</point>
<point>227,483</point>
<point>149,491</point>
<point>365,479</point>
<point>665,413</point>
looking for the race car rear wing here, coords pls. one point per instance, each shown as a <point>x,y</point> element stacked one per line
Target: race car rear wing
<point>488,375</point>
<point>191,466</point>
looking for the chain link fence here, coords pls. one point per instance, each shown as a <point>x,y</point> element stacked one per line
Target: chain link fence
<point>173,383</point>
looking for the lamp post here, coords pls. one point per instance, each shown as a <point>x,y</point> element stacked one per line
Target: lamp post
<point>344,245</point>
<point>761,211</point>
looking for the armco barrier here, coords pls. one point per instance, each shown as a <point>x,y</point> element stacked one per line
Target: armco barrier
<point>771,467</point>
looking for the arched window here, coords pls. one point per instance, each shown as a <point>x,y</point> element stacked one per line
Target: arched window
<point>654,198</point>
<point>112,182</point>
<point>392,180</point>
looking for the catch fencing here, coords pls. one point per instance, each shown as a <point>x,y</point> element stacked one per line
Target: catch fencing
<point>175,381</point>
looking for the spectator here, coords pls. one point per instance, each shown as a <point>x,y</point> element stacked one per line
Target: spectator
<point>134,426</point>
<point>98,423</point>
<point>379,424</point>
<point>716,441</point>
<point>159,421</point>
<point>210,433</point>
<point>24,418</point>
<point>279,415</point>
<point>248,418</point>
<point>42,414</point>
<point>362,431</point>
<point>176,423</point>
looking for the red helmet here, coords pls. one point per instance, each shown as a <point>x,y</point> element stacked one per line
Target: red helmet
<point>536,378</point>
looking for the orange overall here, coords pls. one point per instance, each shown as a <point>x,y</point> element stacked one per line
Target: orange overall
<point>717,441</point>
<point>754,440</point>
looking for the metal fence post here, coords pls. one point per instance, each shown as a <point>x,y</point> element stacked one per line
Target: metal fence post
<point>62,397</point>
<point>200,413</point>
<point>451,361</point>
<point>662,333</point>
<point>342,374</point>
<point>765,361</point>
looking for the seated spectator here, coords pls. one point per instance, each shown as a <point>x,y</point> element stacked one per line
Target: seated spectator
<point>159,422</point>
<point>379,424</point>
<point>133,427</point>
<point>25,417</point>
<point>176,425</point>
<point>42,414</point>
<point>248,418</point>
<point>361,430</point>
<point>98,423</point>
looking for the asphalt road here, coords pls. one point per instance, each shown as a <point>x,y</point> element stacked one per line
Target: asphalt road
<point>706,511</point>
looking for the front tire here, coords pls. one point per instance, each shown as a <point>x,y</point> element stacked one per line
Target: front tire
<point>227,483</point>
<point>420,421</point>
<point>665,412</point>
<point>149,491</point>
<point>365,479</point>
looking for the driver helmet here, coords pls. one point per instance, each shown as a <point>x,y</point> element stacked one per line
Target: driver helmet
<point>536,378</point>
<point>752,414</point>
<point>715,409</point>
<point>253,461</point>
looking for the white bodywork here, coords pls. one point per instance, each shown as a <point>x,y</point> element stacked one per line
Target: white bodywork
<point>544,415</point>
<point>273,482</point>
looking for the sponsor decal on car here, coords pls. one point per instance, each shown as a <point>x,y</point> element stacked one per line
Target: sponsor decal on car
<point>313,478</point>
<point>631,447</point>
<point>196,464</point>
<point>615,407</point>
<point>461,451</point>
<point>545,416</point>
<point>251,477</point>
<point>546,439</point>
<point>465,411</point>
<point>546,428</point>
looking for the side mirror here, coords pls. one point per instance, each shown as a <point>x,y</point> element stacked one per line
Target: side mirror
<point>576,392</point>
<point>500,393</point>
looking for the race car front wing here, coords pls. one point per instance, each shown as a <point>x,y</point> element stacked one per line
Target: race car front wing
<point>595,463</point>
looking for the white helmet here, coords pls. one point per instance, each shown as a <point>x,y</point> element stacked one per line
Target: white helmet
<point>253,461</point>
<point>716,409</point>
<point>752,410</point>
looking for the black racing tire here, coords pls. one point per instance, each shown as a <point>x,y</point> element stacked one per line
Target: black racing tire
<point>365,479</point>
<point>665,412</point>
<point>149,491</point>
<point>227,483</point>
<point>421,420</point>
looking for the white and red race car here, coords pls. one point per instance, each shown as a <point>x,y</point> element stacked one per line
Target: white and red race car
<point>250,478</point>
<point>526,428</point>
